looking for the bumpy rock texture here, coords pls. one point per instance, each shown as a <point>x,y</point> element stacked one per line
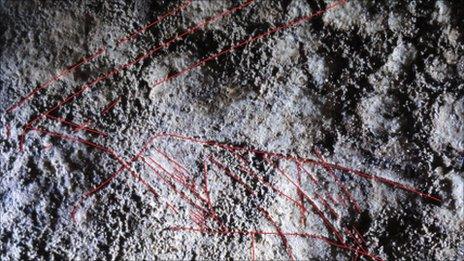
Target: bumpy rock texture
<point>375,86</point>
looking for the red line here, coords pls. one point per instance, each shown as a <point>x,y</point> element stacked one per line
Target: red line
<point>179,181</point>
<point>290,158</point>
<point>208,196</point>
<point>292,234</point>
<point>91,57</point>
<point>205,177</point>
<point>171,175</point>
<point>359,235</point>
<point>83,125</point>
<point>310,200</point>
<point>279,232</point>
<point>173,208</point>
<point>74,139</point>
<point>249,171</point>
<point>229,173</point>
<point>107,151</point>
<point>253,245</point>
<point>324,202</point>
<point>386,181</point>
<point>104,183</point>
<point>300,205</point>
<point>93,191</point>
<point>110,106</point>
<point>303,209</point>
<point>172,186</point>
<point>231,148</point>
<point>292,23</point>
<point>136,33</point>
<point>76,126</point>
<point>313,179</point>
<point>331,198</point>
<point>338,182</point>
<point>181,193</point>
<point>147,54</point>
<point>185,173</point>
<point>263,211</point>
<point>47,146</point>
<point>55,78</point>
<point>8,131</point>
<point>322,199</point>
<point>198,218</point>
<point>357,241</point>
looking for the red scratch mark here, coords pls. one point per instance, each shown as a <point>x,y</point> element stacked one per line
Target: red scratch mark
<point>317,184</point>
<point>331,198</point>
<point>55,78</point>
<point>27,127</point>
<point>313,179</point>
<point>359,235</point>
<point>233,149</point>
<point>91,57</point>
<point>249,171</point>
<point>8,131</point>
<point>281,156</point>
<point>253,245</point>
<point>202,214</point>
<point>243,43</point>
<point>110,106</point>
<point>386,181</point>
<point>324,202</point>
<point>94,190</point>
<point>76,126</point>
<point>279,232</point>
<point>180,170</point>
<point>172,208</point>
<point>289,234</point>
<point>198,218</point>
<point>229,173</point>
<point>302,210</point>
<point>179,179</point>
<point>179,192</point>
<point>136,33</point>
<point>338,181</point>
<point>309,199</point>
<point>358,244</point>
<point>173,177</point>
<point>265,213</point>
<point>205,177</point>
<point>106,150</point>
<point>209,210</point>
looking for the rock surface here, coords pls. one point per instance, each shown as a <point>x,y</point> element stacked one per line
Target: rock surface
<point>365,89</point>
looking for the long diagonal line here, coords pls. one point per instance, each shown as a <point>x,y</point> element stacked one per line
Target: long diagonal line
<point>302,160</point>
<point>263,211</point>
<point>92,57</point>
<point>181,193</point>
<point>318,211</point>
<point>76,126</point>
<point>268,233</point>
<point>106,150</point>
<point>243,43</point>
<point>115,71</point>
<point>339,183</point>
